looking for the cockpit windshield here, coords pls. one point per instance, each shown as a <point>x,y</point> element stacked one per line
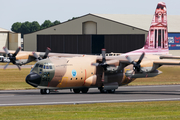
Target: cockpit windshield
<point>38,67</point>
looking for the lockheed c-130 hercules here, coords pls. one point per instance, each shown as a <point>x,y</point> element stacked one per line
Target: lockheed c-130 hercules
<point>54,71</point>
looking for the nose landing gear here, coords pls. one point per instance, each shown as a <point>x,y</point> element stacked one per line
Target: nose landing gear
<point>44,91</point>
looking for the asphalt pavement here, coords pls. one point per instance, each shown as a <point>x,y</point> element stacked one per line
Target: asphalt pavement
<point>122,94</point>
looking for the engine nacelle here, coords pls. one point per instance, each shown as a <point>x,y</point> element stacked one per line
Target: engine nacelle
<point>141,74</point>
<point>148,66</point>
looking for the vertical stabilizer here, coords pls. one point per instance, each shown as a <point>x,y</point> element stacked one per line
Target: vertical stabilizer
<point>157,38</point>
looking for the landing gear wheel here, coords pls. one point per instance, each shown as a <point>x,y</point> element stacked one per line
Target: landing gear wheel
<point>111,91</point>
<point>76,90</point>
<point>84,90</point>
<point>44,91</point>
<point>103,91</point>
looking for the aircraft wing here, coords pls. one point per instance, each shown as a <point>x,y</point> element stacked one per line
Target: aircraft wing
<point>166,62</point>
<point>22,54</point>
<point>124,60</point>
<point>169,57</point>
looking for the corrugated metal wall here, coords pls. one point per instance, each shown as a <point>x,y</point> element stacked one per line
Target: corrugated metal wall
<point>65,43</point>
<point>86,44</point>
<point>123,43</point>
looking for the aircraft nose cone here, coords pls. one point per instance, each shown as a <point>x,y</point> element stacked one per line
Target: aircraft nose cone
<point>33,79</point>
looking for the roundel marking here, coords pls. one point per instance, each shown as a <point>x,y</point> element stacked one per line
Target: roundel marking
<point>74,73</point>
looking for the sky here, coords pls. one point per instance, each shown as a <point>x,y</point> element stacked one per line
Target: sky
<point>40,10</point>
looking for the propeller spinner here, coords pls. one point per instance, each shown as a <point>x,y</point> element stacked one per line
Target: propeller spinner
<point>137,66</point>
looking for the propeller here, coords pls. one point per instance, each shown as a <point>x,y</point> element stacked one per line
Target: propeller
<point>12,57</point>
<point>136,65</point>
<point>103,64</point>
<point>45,55</point>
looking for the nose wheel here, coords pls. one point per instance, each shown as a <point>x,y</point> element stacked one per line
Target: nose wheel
<point>44,91</point>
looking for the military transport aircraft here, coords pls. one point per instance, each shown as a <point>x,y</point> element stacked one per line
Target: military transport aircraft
<point>54,71</point>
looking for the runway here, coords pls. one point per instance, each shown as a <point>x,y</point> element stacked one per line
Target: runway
<point>123,94</point>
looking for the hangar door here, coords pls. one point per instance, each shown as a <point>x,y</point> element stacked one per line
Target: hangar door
<point>90,44</point>
<point>65,43</point>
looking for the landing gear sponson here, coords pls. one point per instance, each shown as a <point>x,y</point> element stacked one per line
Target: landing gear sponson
<point>82,90</point>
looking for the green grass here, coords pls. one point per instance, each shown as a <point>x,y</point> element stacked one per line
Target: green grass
<point>170,75</point>
<point>14,79</point>
<point>162,110</point>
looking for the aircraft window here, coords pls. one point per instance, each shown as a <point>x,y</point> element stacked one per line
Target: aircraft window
<point>50,67</point>
<point>40,70</point>
<point>44,67</point>
<point>47,67</point>
<point>40,66</point>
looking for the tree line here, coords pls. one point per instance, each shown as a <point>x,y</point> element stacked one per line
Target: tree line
<point>29,27</point>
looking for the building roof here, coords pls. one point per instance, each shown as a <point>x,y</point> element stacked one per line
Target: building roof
<point>4,30</point>
<point>143,21</point>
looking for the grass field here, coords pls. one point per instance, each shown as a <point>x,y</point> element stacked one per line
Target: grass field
<point>162,110</point>
<point>15,79</point>
<point>170,75</point>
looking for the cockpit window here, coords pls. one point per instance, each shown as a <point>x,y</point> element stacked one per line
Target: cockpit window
<point>50,67</point>
<point>47,67</point>
<point>40,66</point>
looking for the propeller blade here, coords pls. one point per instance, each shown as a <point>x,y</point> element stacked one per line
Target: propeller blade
<point>141,57</point>
<point>129,59</point>
<point>6,50</point>
<point>103,55</point>
<point>95,64</point>
<point>103,76</point>
<point>36,56</point>
<point>6,65</point>
<point>18,67</point>
<point>131,74</point>
<point>46,53</point>
<point>17,51</point>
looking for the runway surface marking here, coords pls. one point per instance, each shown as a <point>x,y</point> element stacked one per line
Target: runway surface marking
<point>86,102</point>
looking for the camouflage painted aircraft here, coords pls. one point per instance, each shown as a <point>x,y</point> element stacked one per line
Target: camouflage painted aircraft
<point>107,73</point>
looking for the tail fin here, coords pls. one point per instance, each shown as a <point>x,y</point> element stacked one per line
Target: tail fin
<point>157,39</point>
<point>158,33</point>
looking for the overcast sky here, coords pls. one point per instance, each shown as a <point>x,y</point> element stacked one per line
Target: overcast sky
<point>40,10</point>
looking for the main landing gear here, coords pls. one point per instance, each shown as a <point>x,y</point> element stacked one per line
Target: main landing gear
<point>83,90</point>
<point>106,91</point>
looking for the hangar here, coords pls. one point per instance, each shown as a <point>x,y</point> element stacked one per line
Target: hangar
<point>9,39</point>
<point>89,33</point>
